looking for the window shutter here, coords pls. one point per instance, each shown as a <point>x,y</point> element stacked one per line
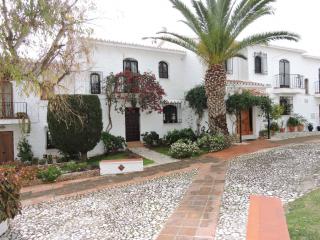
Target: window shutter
<point>264,63</point>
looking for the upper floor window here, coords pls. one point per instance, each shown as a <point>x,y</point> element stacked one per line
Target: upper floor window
<point>260,63</point>
<point>130,64</point>
<point>257,64</point>
<point>228,66</point>
<point>284,67</point>
<point>95,83</point>
<point>163,70</point>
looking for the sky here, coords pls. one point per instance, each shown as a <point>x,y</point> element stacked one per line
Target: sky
<point>131,20</point>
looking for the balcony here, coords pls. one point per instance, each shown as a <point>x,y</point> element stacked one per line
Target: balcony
<point>289,84</point>
<point>11,112</point>
<point>317,89</point>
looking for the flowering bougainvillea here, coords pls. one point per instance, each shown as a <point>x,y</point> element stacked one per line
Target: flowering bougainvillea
<point>127,89</point>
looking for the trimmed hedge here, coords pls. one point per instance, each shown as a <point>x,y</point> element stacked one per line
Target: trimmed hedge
<point>81,129</point>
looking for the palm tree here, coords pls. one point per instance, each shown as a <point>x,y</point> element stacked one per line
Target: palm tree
<point>217,24</point>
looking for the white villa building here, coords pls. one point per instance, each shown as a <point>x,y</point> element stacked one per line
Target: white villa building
<point>288,76</point>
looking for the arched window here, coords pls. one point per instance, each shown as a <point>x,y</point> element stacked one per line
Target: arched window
<point>284,73</point>
<point>163,70</point>
<point>258,64</point>
<point>170,114</point>
<point>130,64</point>
<point>95,83</point>
<point>6,100</point>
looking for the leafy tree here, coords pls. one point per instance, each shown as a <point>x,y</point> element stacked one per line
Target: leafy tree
<point>81,130</point>
<point>127,88</point>
<point>197,100</point>
<point>25,150</point>
<point>217,25</point>
<point>42,42</point>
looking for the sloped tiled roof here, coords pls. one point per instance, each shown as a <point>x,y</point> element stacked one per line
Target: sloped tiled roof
<point>136,45</point>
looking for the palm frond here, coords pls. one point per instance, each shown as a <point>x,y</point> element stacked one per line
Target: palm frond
<point>261,38</point>
<point>217,25</point>
<point>191,20</point>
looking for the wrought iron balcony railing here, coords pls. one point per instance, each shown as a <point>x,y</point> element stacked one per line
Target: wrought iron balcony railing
<point>13,110</point>
<point>289,81</point>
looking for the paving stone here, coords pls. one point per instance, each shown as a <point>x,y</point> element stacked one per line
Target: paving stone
<point>286,172</point>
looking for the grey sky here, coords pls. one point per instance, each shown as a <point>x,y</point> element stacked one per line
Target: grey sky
<point>130,20</point>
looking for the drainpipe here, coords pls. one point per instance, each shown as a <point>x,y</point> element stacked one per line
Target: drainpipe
<point>240,126</point>
<point>268,116</point>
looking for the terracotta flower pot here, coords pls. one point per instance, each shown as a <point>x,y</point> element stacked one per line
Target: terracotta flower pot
<point>3,227</point>
<point>300,128</point>
<point>291,129</point>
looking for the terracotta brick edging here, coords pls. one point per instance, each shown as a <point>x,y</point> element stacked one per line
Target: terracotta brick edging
<point>197,215</point>
<point>266,219</point>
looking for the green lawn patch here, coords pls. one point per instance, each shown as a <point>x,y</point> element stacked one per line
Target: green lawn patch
<point>162,149</point>
<point>147,162</point>
<point>94,161</point>
<point>303,217</point>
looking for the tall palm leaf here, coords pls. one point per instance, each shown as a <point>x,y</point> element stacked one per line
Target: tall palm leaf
<point>217,24</point>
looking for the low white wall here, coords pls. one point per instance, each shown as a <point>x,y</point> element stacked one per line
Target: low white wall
<point>120,166</point>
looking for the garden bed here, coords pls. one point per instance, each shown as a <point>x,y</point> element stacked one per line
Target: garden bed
<point>70,170</point>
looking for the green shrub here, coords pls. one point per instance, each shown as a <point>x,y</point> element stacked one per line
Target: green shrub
<point>113,143</point>
<point>151,139</point>
<point>10,186</point>
<point>50,174</point>
<point>274,126</point>
<point>75,167</point>
<point>25,151</point>
<point>78,130</point>
<point>175,135</point>
<point>184,149</point>
<point>292,122</point>
<point>214,142</point>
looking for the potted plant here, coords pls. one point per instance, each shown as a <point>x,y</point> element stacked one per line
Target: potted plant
<point>9,197</point>
<point>301,122</point>
<point>274,127</point>
<point>310,127</point>
<point>292,124</point>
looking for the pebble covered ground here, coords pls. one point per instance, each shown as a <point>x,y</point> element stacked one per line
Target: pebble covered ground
<point>135,212</point>
<point>286,172</point>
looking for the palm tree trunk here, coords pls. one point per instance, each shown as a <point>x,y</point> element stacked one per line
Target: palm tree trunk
<point>215,83</point>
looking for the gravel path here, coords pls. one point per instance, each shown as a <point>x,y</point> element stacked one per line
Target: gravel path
<point>286,172</point>
<point>131,212</point>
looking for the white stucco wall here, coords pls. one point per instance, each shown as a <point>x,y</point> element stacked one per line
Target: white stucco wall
<point>185,71</point>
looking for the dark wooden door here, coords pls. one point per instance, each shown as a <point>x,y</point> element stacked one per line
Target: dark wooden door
<point>246,123</point>
<point>132,116</point>
<point>6,147</point>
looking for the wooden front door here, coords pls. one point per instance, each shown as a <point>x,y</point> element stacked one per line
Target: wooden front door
<point>6,147</point>
<point>246,123</point>
<point>132,116</point>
